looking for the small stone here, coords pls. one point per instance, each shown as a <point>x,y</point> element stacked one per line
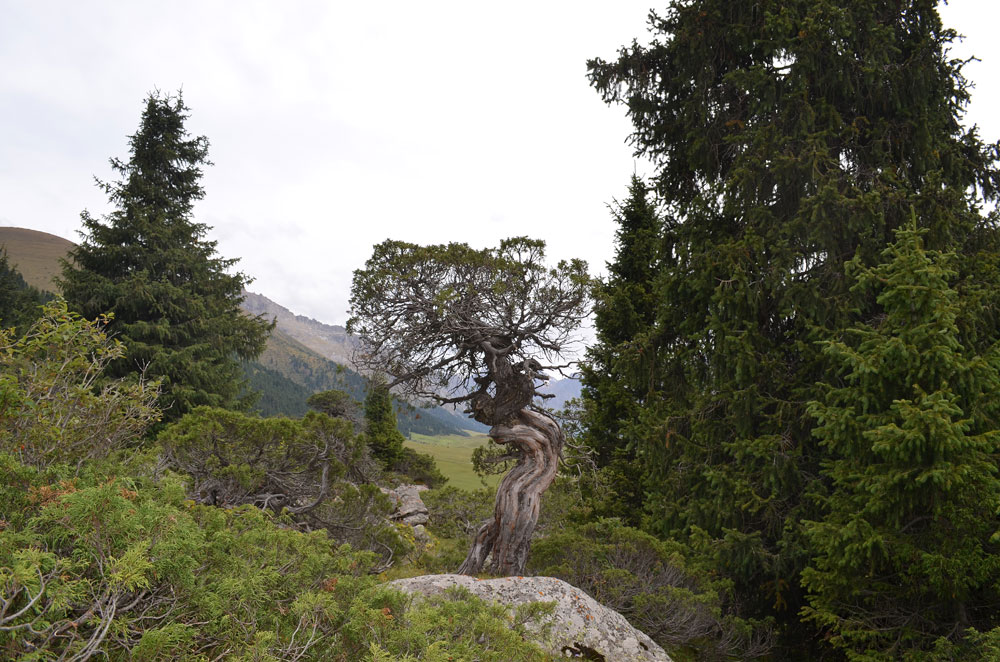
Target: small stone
<point>410,508</point>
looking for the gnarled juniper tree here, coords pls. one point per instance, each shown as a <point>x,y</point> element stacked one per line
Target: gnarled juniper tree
<point>453,324</point>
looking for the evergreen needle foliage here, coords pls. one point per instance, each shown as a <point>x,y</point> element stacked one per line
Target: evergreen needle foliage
<point>383,437</point>
<point>176,306</point>
<point>624,312</point>
<point>907,549</point>
<point>19,302</point>
<point>790,139</point>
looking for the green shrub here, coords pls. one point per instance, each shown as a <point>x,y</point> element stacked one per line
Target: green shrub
<point>314,469</point>
<point>452,626</point>
<point>129,569</point>
<point>418,468</point>
<point>55,405</point>
<point>235,458</point>
<point>650,583</point>
<point>337,404</point>
<point>457,514</point>
<point>122,567</point>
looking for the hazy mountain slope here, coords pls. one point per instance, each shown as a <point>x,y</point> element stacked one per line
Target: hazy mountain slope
<point>288,372</point>
<point>300,336</point>
<point>306,367</point>
<point>303,356</point>
<point>563,390</point>
<point>35,254</point>
<point>327,340</point>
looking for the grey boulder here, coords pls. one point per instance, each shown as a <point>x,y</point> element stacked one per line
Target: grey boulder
<point>580,627</point>
<point>410,508</point>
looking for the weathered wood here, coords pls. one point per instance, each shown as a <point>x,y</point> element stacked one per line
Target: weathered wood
<point>456,325</point>
<point>505,540</point>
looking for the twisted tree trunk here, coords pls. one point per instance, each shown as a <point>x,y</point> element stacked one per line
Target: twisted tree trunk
<point>505,540</point>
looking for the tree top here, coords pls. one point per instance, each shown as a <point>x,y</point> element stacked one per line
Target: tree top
<point>454,324</point>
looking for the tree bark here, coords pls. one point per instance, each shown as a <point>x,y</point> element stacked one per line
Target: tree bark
<point>505,540</point>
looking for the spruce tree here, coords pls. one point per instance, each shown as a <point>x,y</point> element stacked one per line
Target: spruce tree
<point>175,304</point>
<point>20,304</point>
<point>624,312</point>
<point>903,554</point>
<point>381,433</point>
<point>789,139</point>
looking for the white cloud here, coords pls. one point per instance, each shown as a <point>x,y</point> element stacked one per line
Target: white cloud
<point>335,125</point>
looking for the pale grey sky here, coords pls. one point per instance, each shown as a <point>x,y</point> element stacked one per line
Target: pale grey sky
<point>335,125</point>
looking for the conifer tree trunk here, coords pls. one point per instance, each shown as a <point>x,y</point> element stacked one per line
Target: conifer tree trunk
<point>504,541</point>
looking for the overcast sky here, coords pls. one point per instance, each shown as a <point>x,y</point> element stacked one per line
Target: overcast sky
<point>335,125</point>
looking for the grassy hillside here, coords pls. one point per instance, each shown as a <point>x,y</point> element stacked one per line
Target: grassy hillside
<point>288,372</point>
<point>35,254</point>
<point>305,336</point>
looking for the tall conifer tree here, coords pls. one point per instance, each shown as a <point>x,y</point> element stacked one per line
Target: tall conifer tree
<point>624,312</point>
<point>175,304</point>
<point>381,431</point>
<point>20,304</point>
<point>903,554</point>
<point>789,138</point>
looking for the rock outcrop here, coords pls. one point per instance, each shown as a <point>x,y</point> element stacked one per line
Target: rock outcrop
<point>410,508</point>
<point>580,627</point>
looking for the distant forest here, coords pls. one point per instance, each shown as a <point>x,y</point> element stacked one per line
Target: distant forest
<point>280,396</point>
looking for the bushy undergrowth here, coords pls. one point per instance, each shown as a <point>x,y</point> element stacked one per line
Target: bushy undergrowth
<point>315,469</point>
<point>415,467</point>
<point>131,569</point>
<point>456,513</point>
<point>105,554</point>
<point>55,405</point>
<point>650,583</point>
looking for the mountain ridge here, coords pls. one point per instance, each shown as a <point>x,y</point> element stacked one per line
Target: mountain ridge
<point>302,356</point>
<point>333,343</point>
<point>328,340</point>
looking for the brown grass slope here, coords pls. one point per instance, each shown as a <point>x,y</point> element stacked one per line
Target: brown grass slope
<point>35,254</point>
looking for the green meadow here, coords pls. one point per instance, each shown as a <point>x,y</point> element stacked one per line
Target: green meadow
<point>453,454</point>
